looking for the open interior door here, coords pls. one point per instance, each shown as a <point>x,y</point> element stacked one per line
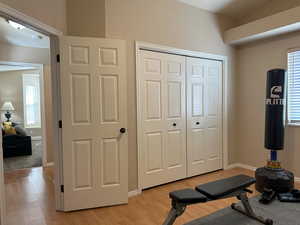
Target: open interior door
<point>94,122</point>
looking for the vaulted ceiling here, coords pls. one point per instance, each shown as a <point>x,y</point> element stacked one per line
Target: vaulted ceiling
<point>243,11</point>
<point>231,8</point>
<point>22,37</point>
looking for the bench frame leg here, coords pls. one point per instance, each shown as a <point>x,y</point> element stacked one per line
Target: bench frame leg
<point>176,211</point>
<point>248,211</point>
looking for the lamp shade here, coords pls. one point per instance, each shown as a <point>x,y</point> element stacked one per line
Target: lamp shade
<point>7,106</point>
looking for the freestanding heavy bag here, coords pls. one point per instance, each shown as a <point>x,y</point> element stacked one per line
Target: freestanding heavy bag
<point>273,177</point>
<point>274,124</point>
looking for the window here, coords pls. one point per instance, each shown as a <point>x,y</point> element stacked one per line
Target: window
<point>32,100</point>
<point>294,87</point>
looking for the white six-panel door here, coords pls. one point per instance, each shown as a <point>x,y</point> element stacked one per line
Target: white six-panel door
<point>163,114</point>
<point>204,115</point>
<point>94,109</point>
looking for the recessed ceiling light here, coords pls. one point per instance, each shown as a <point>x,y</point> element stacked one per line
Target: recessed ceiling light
<point>16,25</point>
<point>37,37</point>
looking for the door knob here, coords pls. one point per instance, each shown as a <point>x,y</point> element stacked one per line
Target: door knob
<point>123,130</point>
<point>174,124</point>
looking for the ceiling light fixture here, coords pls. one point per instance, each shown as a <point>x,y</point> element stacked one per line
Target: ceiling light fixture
<point>15,25</point>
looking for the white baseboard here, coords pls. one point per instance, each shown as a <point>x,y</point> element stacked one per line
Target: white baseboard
<point>49,164</point>
<point>252,168</point>
<point>231,166</point>
<point>134,193</point>
<point>241,165</point>
<point>36,138</point>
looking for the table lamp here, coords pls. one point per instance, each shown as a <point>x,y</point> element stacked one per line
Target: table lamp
<point>8,107</point>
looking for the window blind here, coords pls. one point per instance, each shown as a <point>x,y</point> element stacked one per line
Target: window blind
<point>32,104</point>
<point>294,87</point>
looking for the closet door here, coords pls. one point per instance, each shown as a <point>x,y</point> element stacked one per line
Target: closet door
<point>204,116</point>
<point>162,106</point>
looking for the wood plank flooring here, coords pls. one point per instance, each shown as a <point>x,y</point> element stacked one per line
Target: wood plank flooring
<point>30,201</point>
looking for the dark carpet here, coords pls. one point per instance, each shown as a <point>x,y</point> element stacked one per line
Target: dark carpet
<point>22,162</point>
<point>280,213</point>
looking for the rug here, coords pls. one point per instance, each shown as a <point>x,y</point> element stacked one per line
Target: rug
<point>22,162</point>
<point>281,213</point>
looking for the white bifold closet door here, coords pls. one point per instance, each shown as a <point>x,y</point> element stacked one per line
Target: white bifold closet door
<point>163,114</point>
<point>204,116</point>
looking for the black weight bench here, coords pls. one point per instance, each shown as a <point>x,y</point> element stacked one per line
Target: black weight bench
<point>226,188</point>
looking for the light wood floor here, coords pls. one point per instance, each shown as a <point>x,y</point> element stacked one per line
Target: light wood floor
<point>30,201</point>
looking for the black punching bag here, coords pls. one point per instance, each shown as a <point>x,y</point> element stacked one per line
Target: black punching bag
<point>274,124</point>
<point>273,176</point>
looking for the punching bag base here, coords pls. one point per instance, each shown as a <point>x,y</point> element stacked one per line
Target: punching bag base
<point>278,180</point>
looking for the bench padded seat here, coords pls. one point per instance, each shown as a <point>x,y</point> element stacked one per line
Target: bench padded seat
<point>220,188</point>
<point>188,196</point>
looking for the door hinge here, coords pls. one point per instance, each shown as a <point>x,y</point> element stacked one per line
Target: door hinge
<point>60,123</point>
<point>62,188</point>
<point>58,58</point>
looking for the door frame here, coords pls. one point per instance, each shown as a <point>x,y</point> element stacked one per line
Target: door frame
<point>53,34</point>
<point>140,45</point>
<point>2,187</point>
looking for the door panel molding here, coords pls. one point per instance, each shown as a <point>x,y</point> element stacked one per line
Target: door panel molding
<point>197,74</point>
<point>163,118</point>
<point>208,145</point>
<point>94,109</point>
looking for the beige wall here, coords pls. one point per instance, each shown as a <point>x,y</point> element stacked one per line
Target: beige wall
<point>13,53</point>
<point>50,12</point>
<point>11,89</point>
<point>86,18</point>
<point>253,61</point>
<point>167,23</point>
<point>48,111</point>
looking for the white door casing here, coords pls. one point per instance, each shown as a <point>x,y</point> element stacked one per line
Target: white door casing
<point>94,109</point>
<point>162,90</point>
<point>204,115</point>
